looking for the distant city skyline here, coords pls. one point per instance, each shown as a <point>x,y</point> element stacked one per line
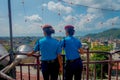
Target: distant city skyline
<point>88,16</point>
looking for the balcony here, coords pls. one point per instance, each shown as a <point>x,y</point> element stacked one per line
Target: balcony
<point>31,71</point>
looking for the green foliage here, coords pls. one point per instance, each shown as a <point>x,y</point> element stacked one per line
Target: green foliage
<point>102,48</point>
<point>100,57</point>
<point>88,43</point>
<point>7,47</point>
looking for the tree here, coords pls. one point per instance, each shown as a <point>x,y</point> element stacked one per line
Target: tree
<point>100,57</point>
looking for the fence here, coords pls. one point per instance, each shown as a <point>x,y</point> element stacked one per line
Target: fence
<point>113,67</point>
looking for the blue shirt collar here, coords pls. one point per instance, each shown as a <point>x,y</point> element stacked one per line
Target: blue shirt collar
<point>47,36</point>
<point>69,36</point>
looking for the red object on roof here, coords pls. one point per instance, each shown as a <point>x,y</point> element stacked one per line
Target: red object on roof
<point>115,67</point>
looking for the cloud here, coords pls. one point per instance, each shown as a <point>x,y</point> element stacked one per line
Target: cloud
<point>34,18</point>
<point>113,20</point>
<point>4,31</point>
<point>85,19</point>
<point>79,1</point>
<point>4,28</point>
<point>97,5</point>
<point>86,22</point>
<point>107,24</point>
<point>52,6</point>
<point>69,19</point>
<point>80,21</point>
<point>110,23</point>
<point>20,30</point>
<point>44,5</point>
<point>29,30</point>
<point>89,23</point>
<point>1,19</point>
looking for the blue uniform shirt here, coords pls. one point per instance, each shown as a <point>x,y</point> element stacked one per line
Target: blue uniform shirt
<point>48,47</point>
<point>71,46</point>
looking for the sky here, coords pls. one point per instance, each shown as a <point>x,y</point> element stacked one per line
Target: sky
<point>87,16</point>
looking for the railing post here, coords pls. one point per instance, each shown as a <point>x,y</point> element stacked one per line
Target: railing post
<point>29,72</point>
<point>101,71</point>
<point>117,71</point>
<point>87,65</point>
<point>110,67</point>
<point>21,72</point>
<point>38,68</point>
<point>95,73</point>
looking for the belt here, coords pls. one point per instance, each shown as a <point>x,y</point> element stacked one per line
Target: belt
<point>49,61</point>
<point>73,60</point>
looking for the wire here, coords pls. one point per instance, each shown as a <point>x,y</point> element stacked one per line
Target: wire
<point>24,9</point>
<point>90,6</point>
<point>59,13</point>
<point>113,23</point>
<point>42,9</point>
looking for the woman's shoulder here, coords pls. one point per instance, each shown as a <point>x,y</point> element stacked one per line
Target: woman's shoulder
<point>56,40</point>
<point>42,39</point>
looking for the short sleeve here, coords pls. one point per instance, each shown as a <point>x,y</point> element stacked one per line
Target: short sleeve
<point>37,46</point>
<point>79,44</point>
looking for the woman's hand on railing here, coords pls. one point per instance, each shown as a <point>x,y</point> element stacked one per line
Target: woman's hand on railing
<point>30,53</point>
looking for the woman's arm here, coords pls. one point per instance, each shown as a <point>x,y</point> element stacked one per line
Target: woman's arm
<point>31,53</point>
<point>60,62</point>
<point>81,51</point>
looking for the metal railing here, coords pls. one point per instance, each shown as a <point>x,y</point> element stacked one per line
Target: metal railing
<point>110,62</point>
<point>36,65</point>
<point>88,73</point>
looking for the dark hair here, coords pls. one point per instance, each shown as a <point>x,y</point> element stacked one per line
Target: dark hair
<point>70,31</point>
<point>49,30</point>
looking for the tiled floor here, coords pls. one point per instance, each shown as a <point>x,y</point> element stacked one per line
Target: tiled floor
<point>26,77</point>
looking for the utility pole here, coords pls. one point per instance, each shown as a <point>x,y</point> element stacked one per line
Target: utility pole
<point>12,72</point>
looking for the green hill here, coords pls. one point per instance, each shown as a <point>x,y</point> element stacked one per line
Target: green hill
<point>113,33</point>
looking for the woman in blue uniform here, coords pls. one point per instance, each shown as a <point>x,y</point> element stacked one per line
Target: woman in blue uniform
<point>73,49</point>
<point>50,50</point>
